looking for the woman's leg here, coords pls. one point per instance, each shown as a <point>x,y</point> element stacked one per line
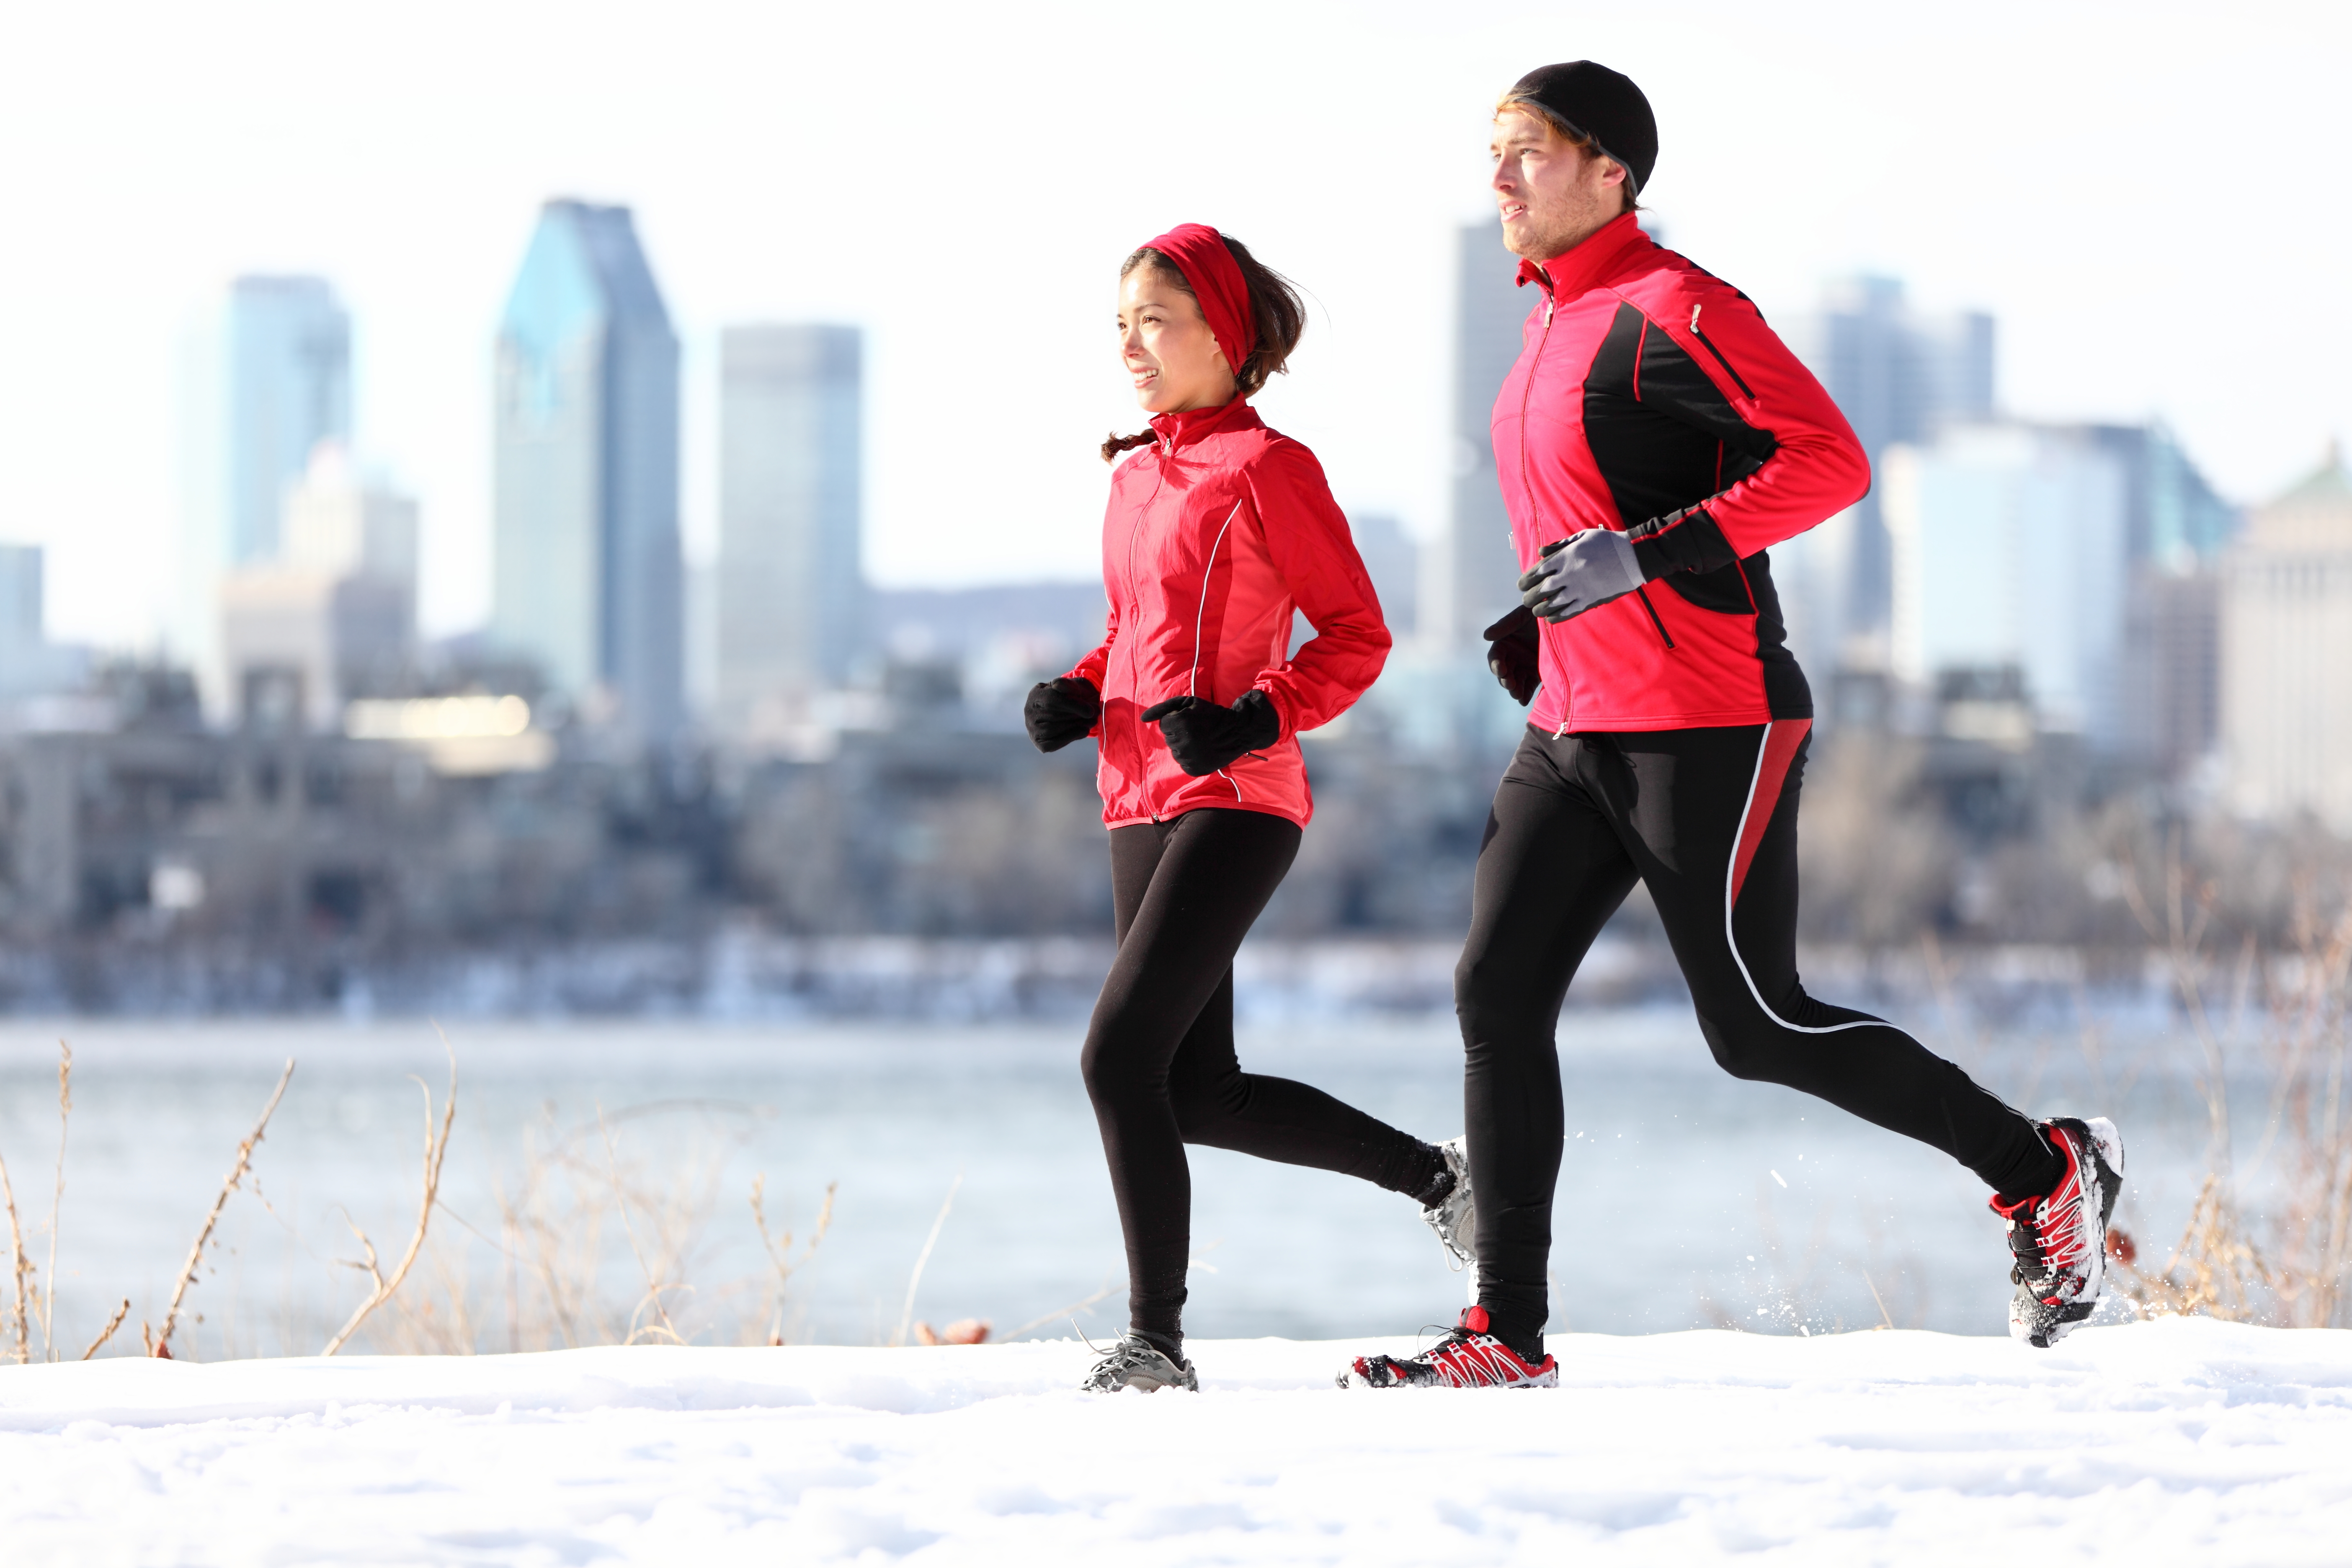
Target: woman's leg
<point>1219,1105</point>
<point>1184,893</point>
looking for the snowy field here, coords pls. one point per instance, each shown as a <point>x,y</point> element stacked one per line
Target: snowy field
<point>2191,1442</point>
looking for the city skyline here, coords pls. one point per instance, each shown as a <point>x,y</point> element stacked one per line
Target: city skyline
<point>2065,203</point>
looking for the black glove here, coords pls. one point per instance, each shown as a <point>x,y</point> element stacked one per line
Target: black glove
<point>1580,573</point>
<point>1061,710</point>
<point>1511,654</point>
<point>1204,737</point>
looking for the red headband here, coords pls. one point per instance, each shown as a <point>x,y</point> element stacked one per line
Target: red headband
<point>1199,253</point>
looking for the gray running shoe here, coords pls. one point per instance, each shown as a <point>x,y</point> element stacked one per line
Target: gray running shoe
<point>1136,1363</point>
<point>1455,1218</point>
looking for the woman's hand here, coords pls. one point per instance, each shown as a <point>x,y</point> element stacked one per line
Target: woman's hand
<point>1514,653</point>
<point>1204,737</point>
<point>1061,710</point>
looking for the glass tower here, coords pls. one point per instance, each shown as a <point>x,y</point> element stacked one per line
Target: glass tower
<point>588,578</point>
<point>289,388</point>
<point>790,587</point>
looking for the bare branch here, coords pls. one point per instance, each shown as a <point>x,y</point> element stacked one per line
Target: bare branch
<point>653,1286</point>
<point>161,1344</point>
<point>435,1150</point>
<point>56,1194</point>
<point>19,1267</point>
<point>779,1248</point>
<point>907,1317</point>
<point>1035,1323</point>
<point>107,1332</point>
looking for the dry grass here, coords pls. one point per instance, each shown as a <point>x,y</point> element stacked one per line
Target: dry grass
<point>2283,1259</point>
<point>159,1343</point>
<point>436,1149</point>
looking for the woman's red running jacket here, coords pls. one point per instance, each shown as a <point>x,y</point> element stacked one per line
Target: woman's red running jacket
<point>1650,396</point>
<point>1214,533</point>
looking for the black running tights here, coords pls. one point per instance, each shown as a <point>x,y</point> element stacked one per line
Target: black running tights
<point>1708,819</point>
<point>1159,1064</point>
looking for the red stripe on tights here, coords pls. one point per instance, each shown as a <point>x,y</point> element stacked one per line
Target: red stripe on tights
<point>1781,738</point>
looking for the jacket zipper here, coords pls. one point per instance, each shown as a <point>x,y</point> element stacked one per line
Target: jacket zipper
<point>1135,724</point>
<point>1717,352</point>
<point>1652,609</point>
<point>1526,391</point>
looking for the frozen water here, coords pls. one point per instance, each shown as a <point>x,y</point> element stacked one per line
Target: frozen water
<point>1671,1216</point>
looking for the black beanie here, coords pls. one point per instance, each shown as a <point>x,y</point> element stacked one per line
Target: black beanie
<point>1592,100</point>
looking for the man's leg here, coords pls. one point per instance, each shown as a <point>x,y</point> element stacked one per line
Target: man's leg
<point>1713,820</point>
<point>1184,893</point>
<point>1550,873</point>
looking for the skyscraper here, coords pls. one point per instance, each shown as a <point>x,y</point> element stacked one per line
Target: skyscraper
<point>270,380</point>
<point>2287,641</point>
<point>1477,569</point>
<point>792,590</point>
<point>2010,552</point>
<point>289,388</point>
<point>587,573</point>
<point>1898,376</point>
<point>21,635</point>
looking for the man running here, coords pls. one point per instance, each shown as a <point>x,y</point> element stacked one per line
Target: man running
<point>1653,439</point>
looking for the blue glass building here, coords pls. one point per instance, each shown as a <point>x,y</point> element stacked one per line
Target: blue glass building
<point>588,578</point>
<point>289,352</point>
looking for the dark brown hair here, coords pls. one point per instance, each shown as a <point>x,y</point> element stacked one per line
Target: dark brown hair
<point>1276,308</point>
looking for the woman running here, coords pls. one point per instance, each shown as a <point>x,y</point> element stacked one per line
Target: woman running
<point>1216,531</point>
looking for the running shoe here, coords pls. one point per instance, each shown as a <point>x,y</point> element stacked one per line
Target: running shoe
<point>2060,1240</point>
<point>1467,1357</point>
<point>1136,1363</point>
<point>1453,1217</point>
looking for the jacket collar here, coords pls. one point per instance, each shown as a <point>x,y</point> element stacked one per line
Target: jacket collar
<point>1188,426</point>
<point>1574,271</point>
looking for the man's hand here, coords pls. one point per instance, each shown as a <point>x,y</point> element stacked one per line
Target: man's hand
<point>1512,653</point>
<point>1580,573</point>
<point>1204,737</point>
<point>1061,710</point>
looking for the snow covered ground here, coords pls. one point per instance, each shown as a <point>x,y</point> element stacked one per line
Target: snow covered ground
<point>2168,1442</point>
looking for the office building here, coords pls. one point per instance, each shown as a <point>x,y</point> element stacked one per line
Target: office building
<point>2286,655</point>
<point>270,379</point>
<point>2009,552</point>
<point>588,581</point>
<point>1473,575</point>
<point>332,617</point>
<point>21,633</point>
<point>1899,376</point>
<point>288,346</point>
<point>790,590</point>
<point>1392,558</point>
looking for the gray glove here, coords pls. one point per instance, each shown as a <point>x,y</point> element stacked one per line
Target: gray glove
<point>1580,573</point>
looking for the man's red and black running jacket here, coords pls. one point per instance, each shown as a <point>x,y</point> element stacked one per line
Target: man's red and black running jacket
<point>1650,396</point>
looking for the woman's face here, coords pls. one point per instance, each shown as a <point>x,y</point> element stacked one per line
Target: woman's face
<point>1170,352</point>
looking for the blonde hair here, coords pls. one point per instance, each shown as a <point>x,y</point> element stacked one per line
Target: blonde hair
<point>1582,140</point>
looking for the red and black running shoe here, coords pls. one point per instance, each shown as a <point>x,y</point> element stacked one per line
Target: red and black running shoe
<point>2060,1240</point>
<point>1467,1357</point>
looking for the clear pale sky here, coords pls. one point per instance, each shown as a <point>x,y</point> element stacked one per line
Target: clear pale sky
<point>2151,198</point>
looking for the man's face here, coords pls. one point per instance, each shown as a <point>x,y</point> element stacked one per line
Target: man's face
<point>1551,193</point>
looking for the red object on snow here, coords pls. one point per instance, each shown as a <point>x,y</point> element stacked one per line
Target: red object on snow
<point>1213,535</point>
